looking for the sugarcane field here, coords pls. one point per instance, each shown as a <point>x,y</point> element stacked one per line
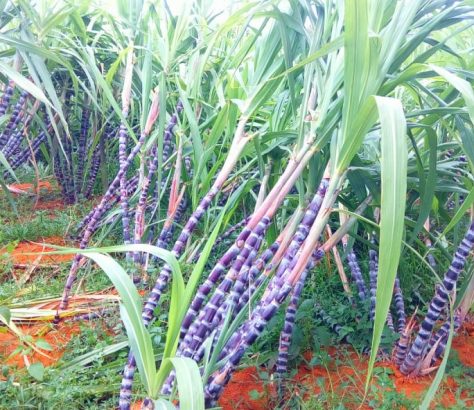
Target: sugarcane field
<point>236,205</point>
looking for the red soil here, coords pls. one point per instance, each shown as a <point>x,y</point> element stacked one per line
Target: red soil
<point>56,338</point>
<point>42,185</point>
<point>19,255</point>
<point>464,345</point>
<point>344,378</point>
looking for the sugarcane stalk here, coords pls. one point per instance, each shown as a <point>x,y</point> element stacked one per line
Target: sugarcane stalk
<point>438,303</point>
<point>286,334</point>
<point>399,306</point>
<point>225,235</point>
<point>15,118</point>
<point>262,267</point>
<point>199,330</point>
<point>459,315</point>
<point>373,271</point>
<point>403,343</point>
<point>6,97</point>
<point>81,145</point>
<point>123,138</point>
<point>145,183</point>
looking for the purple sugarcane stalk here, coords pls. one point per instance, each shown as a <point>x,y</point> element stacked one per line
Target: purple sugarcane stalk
<point>357,275</point>
<point>114,198</point>
<point>6,98</point>
<point>401,346</point>
<point>268,207</point>
<point>439,303</point>
<point>168,134</point>
<point>441,337</point>
<point>226,234</point>
<point>58,173</point>
<point>15,118</point>
<point>192,344</point>
<point>69,172</point>
<point>253,281</point>
<point>373,271</point>
<point>286,334</point>
<point>26,153</point>
<point>188,166</point>
<point>277,290</point>
<point>399,306</point>
<point>216,273</point>
<point>279,191</point>
<point>328,320</point>
<point>122,151</point>
<point>390,322</point>
<point>167,231</point>
<point>304,227</point>
<point>81,149</point>
<point>94,170</point>
<point>248,274</point>
<point>13,143</point>
<point>141,207</point>
<point>123,185</point>
<point>202,326</point>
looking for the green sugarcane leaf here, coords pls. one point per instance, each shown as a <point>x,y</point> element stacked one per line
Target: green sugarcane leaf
<point>190,386</point>
<point>430,184</point>
<point>24,83</point>
<point>162,404</point>
<point>5,315</point>
<point>392,211</point>
<point>188,376</point>
<point>323,51</point>
<point>356,58</point>
<point>467,138</point>
<point>7,166</point>
<point>364,120</point>
<point>195,133</point>
<point>461,85</point>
